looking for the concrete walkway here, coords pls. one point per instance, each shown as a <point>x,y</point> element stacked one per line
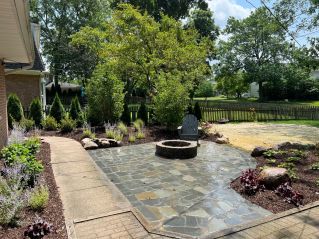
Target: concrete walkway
<point>94,208</point>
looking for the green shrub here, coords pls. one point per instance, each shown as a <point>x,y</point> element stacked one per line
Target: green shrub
<point>131,138</point>
<point>36,111</point>
<point>118,136</point>
<point>10,121</point>
<point>105,96</point>
<point>67,124</point>
<point>49,123</point>
<point>110,134</point>
<point>122,128</point>
<point>140,135</point>
<point>39,198</point>
<point>293,159</point>
<point>138,124</point>
<point>142,113</point>
<point>190,109</point>
<point>23,154</point>
<point>88,134</point>
<point>27,124</point>
<point>197,111</point>
<point>76,112</point>
<point>14,107</point>
<point>126,115</point>
<point>170,102</point>
<point>57,110</point>
<point>205,89</point>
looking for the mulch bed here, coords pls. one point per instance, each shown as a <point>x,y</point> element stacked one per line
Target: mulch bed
<point>306,184</point>
<point>53,213</point>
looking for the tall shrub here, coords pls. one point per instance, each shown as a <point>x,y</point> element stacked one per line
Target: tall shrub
<point>142,113</point>
<point>57,110</point>
<point>126,117</point>
<point>197,111</point>
<point>170,102</point>
<point>36,111</point>
<point>14,107</point>
<point>75,108</point>
<point>105,96</point>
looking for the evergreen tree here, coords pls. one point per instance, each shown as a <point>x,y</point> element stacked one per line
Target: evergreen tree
<point>36,111</point>
<point>57,110</point>
<point>75,108</point>
<point>14,107</point>
<point>126,117</point>
<point>142,113</point>
<point>197,111</point>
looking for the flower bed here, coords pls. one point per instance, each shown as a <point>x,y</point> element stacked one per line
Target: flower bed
<point>302,185</point>
<point>51,213</point>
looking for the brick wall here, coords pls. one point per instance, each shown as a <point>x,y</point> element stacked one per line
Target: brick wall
<point>27,87</point>
<point>3,109</point>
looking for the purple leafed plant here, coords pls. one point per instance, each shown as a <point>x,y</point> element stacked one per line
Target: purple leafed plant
<point>249,180</point>
<point>38,229</point>
<point>291,196</point>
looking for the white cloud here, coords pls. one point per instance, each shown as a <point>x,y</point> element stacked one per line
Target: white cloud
<point>225,8</point>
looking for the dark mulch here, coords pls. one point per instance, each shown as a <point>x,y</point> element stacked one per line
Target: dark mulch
<point>53,213</point>
<point>306,184</point>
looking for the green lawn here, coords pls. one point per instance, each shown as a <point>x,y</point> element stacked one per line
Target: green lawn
<point>225,99</point>
<point>314,123</point>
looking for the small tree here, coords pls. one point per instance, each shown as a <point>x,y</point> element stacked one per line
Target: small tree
<point>36,111</point>
<point>142,113</point>
<point>170,102</point>
<point>14,107</point>
<point>197,111</point>
<point>126,117</point>
<point>75,110</point>
<point>57,110</point>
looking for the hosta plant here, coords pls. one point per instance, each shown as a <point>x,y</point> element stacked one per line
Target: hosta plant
<point>249,181</point>
<point>291,196</point>
<point>38,229</point>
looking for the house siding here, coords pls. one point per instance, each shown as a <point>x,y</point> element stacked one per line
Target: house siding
<point>3,109</point>
<point>27,87</point>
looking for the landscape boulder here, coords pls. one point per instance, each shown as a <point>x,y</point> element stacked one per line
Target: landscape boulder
<point>89,144</point>
<point>298,146</point>
<point>222,140</point>
<point>104,143</point>
<point>272,177</point>
<point>258,151</point>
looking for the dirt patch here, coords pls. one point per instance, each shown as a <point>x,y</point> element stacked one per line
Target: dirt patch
<point>249,135</point>
<point>53,213</point>
<point>305,184</point>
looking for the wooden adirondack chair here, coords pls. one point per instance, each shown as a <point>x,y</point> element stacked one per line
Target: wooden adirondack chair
<point>189,129</point>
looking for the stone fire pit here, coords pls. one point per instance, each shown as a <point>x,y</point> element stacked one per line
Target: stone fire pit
<point>176,149</point>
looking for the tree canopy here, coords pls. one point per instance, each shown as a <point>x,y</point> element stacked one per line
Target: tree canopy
<point>137,49</point>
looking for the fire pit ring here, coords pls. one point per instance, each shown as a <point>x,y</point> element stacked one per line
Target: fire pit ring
<point>176,149</point>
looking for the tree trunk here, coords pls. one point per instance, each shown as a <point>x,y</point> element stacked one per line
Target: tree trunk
<point>260,91</point>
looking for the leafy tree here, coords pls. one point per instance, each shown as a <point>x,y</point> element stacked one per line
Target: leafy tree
<point>232,85</point>
<point>36,111</point>
<point>203,22</point>
<point>126,117</point>
<point>205,89</point>
<point>14,107</point>
<point>57,110</point>
<point>58,21</point>
<point>105,96</point>
<point>142,113</point>
<point>173,8</point>
<point>197,111</point>
<point>171,101</point>
<point>138,49</point>
<point>255,43</point>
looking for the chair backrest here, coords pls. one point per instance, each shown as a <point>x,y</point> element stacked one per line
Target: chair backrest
<point>190,125</point>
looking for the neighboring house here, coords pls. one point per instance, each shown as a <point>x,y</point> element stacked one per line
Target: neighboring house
<point>27,81</point>
<point>16,45</point>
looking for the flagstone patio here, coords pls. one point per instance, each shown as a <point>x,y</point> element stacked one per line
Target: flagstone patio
<point>190,197</point>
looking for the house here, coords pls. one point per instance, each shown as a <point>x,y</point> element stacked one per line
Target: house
<point>16,45</point>
<point>27,81</point>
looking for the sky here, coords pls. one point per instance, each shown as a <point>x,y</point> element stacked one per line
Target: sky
<point>239,9</point>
